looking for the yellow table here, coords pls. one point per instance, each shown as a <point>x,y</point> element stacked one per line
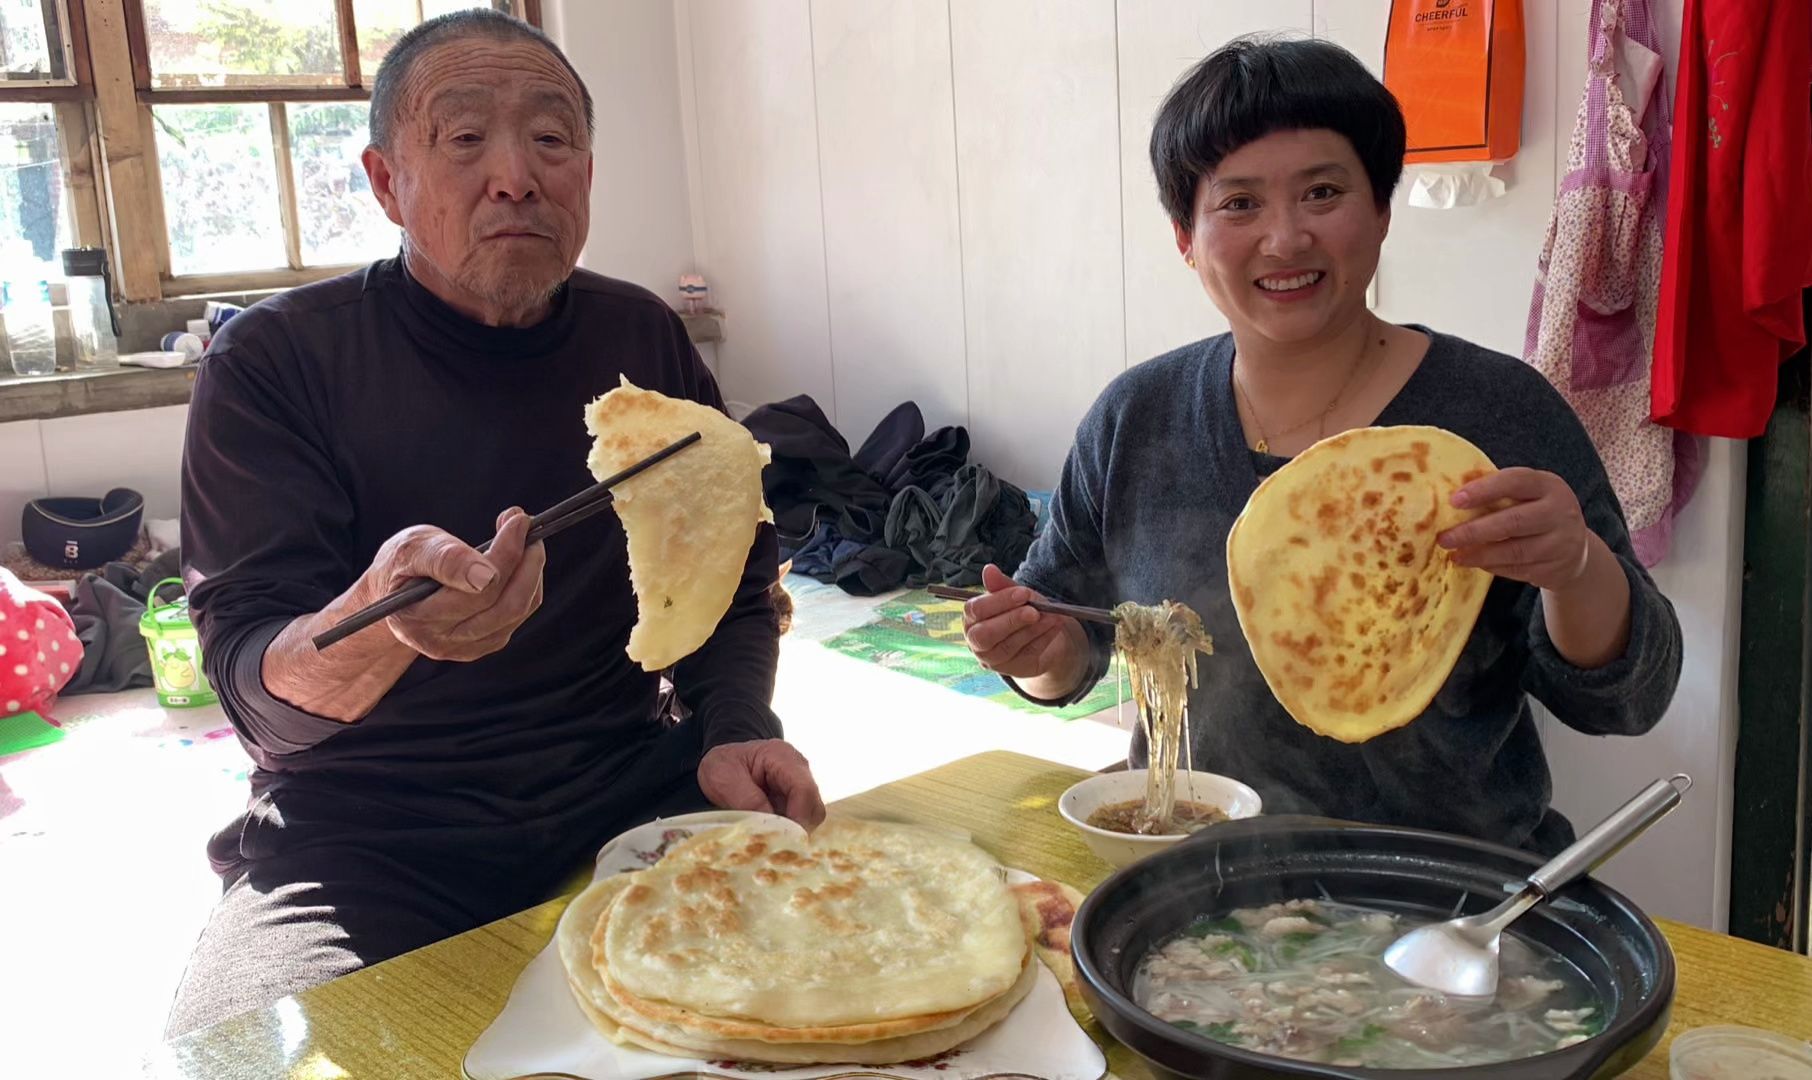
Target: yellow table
<point>416,1015</point>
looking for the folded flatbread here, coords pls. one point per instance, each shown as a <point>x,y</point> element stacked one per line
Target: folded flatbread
<point>690,519</point>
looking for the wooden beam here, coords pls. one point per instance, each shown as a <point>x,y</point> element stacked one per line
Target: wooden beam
<point>349,42</point>
<point>138,45</point>
<point>72,393</point>
<point>531,11</point>
<point>56,40</point>
<point>251,280</point>
<point>154,179</point>
<point>76,146</point>
<point>132,198</point>
<point>245,95</point>
<point>286,184</point>
<point>36,92</point>
<point>78,44</point>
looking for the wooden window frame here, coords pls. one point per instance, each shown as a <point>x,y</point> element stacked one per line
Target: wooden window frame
<point>72,103</point>
<point>80,84</point>
<point>111,39</point>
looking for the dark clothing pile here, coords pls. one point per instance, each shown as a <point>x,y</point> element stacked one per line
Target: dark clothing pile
<point>107,606</point>
<point>906,509</point>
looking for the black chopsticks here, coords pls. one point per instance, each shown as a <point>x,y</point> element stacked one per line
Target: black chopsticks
<point>1049,607</point>
<point>567,512</point>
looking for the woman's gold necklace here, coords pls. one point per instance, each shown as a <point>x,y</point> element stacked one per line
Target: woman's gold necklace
<point>1263,445</point>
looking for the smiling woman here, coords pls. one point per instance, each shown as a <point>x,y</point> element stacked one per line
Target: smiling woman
<point>1275,161</point>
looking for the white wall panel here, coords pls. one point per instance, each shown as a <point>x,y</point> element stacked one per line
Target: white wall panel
<point>763,211</point>
<point>887,150</point>
<point>1159,40</point>
<point>21,473</point>
<point>641,227</point>
<point>141,450</point>
<point>1038,159</point>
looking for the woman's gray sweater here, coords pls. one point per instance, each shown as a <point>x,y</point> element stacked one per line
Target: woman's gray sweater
<point>1159,471</point>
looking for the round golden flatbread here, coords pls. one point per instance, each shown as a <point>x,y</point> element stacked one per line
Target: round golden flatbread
<point>580,941</point>
<point>862,923</point>
<point>704,1032</point>
<point>690,519</point>
<point>1354,614</point>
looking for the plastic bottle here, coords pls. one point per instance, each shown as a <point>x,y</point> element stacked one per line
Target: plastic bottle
<point>30,335</point>
<point>93,328</point>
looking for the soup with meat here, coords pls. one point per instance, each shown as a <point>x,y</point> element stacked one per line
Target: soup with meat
<point>1306,980</point>
<point>1185,817</point>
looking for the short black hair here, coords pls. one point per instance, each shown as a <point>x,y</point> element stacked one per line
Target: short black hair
<point>1254,86</point>
<point>393,73</point>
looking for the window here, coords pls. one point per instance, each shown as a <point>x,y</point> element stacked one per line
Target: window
<point>257,112</point>
<point>45,206</point>
<point>34,201</point>
<point>34,44</point>
<point>228,160</point>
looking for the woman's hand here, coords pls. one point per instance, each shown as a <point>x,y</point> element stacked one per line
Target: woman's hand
<point>1047,654</point>
<point>1538,536</point>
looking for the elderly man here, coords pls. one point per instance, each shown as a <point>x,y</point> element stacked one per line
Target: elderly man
<point>459,761</point>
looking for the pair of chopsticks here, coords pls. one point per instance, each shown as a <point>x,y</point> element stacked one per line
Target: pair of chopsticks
<point>1049,607</point>
<point>563,514</point>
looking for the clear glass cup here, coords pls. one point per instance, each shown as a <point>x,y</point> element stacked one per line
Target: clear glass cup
<point>94,344</point>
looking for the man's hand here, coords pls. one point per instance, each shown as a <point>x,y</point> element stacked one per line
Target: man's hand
<point>765,775</point>
<point>484,598</point>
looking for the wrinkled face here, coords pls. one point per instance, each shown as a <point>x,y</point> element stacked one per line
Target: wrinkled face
<point>489,174</point>
<point>1286,235</point>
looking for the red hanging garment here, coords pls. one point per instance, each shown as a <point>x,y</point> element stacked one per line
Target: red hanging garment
<point>1739,222</point>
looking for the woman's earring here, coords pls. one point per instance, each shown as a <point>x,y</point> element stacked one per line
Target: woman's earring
<point>1189,261</point>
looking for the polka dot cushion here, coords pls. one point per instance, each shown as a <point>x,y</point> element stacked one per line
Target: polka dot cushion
<point>39,650</point>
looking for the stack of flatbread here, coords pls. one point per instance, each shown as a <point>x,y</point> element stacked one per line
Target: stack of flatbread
<point>1355,615</point>
<point>866,943</point>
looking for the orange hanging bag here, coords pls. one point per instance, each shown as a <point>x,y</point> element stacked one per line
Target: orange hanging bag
<point>1456,67</point>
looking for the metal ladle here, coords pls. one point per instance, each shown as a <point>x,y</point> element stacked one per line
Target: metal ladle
<point>1459,957</point>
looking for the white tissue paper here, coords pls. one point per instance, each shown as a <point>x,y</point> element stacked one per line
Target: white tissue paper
<point>1448,185</point>
<point>157,358</point>
<point>164,534</point>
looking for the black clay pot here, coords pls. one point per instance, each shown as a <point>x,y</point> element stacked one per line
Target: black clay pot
<point>1262,860</point>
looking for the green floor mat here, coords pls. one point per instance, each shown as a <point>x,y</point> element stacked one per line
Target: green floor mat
<point>919,635</point>
<point>26,731</point>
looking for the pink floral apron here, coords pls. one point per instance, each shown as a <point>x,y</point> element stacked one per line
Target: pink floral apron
<point>1592,320</point>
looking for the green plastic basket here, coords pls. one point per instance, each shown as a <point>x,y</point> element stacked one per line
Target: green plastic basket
<point>175,651</point>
